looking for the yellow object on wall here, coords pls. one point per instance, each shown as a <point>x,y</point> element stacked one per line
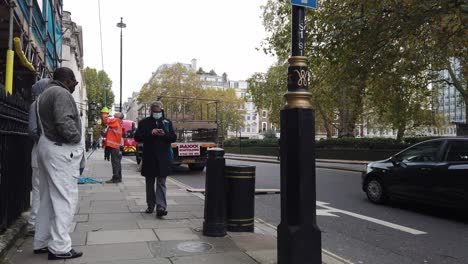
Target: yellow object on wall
<point>9,72</point>
<point>21,56</point>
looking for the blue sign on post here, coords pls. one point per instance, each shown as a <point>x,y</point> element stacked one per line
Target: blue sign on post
<point>305,3</point>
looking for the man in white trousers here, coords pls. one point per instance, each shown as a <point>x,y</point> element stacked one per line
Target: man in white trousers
<point>60,152</point>
<point>35,133</point>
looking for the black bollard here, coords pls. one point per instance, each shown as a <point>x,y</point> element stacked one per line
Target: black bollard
<point>215,197</point>
<point>240,198</point>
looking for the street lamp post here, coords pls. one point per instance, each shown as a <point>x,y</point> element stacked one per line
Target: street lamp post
<point>121,25</point>
<point>299,238</point>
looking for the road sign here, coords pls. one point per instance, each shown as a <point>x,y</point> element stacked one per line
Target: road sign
<point>305,3</point>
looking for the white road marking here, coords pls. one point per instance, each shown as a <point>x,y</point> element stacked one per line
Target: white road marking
<point>370,219</point>
<point>325,212</point>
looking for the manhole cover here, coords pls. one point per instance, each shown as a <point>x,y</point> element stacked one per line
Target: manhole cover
<point>194,247</point>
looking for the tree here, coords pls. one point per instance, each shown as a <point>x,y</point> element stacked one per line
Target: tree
<point>179,81</point>
<point>267,90</point>
<point>95,83</point>
<point>351,44</point>
<point>230,117</point>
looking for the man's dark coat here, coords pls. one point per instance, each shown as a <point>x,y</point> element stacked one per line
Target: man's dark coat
<point>156,149</point>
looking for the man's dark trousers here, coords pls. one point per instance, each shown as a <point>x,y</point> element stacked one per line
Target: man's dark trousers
<point>156,198</point>
<point>116,158</point>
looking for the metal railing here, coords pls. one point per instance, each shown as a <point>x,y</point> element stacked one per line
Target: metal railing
<point>15,159</point>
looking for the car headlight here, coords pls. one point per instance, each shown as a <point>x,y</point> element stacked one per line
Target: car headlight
<point>369,168</point>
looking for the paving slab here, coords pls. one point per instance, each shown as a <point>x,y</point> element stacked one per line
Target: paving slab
<point>111,253</point>
<point>72,227</point>
<point>158,223</point>
<point>120,236</point>
<point>225,258</point>
<point>255,242</point>
<point>109,203</point>
<point>170,215</point>
<point>176,234</point>
<point>115,217</point>
<point>142,202</point>
<point>182,200</point>
<point>79,218</point>
<point>78,238</point>
<point>134,261</point>
<point>105,188</point>
<point>106,196</point>
<point>104,226</point>
<point>169,249</point>
<point>117,208</point>
<point>264,256</point>
<point>185,208</point>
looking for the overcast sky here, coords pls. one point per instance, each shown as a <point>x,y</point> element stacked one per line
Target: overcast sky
<point>222,35</point>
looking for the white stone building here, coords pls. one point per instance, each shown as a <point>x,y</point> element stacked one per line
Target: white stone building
<point>72,57</point>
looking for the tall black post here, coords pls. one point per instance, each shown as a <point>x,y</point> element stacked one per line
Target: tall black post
<point>299,238</point>
<point>121,25</point>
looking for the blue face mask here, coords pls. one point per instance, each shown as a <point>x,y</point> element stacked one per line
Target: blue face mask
<point>157,115</point>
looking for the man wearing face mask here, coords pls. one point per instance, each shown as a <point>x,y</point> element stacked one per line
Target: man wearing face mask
<point>60,152</point>
<point>156,134</point>
<point>114,143</point>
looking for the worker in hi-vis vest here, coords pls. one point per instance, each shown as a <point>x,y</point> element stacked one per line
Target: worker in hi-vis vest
<point>114,142</point>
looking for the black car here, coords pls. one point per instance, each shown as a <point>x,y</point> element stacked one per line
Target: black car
<point>433,172</point>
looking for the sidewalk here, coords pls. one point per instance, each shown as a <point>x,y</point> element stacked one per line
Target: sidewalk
<point>109,227</point>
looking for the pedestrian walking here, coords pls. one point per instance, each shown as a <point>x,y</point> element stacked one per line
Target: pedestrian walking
<point>35,133</point>
<point>156,134</point>
<point>60,152</point>
<point>114,144</point>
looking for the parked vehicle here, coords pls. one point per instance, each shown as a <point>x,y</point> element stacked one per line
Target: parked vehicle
<point>434,172</point>
<point>130,145</point>
<point>195,122</point>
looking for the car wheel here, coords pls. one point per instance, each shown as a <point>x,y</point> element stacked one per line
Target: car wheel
<point>375,191</point>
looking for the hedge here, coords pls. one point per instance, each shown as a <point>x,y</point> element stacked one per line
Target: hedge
<point>335,143</point>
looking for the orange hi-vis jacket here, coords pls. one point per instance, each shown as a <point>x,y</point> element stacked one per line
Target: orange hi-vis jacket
<point>114,132</point>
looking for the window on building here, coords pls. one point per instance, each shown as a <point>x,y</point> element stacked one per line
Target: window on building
<point>264,113</point>
<point>264,126</point>
<point>248,117</point>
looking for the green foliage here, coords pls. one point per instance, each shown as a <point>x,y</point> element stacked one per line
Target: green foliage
<point>180,81</point>
<point>95,82</point>
<point>336,143</point>
<point>373,55</point>
<point>269,134</point>
<point>267,90</point>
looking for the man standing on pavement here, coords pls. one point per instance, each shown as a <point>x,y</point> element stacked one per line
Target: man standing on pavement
<point>60,152</point>
<point>114,144</point>
<point>35,133</point>
<point>156,134</point>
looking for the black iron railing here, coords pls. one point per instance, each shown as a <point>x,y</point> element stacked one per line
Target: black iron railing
<point>15,159</point>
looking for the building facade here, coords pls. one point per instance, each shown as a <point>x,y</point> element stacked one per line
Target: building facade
<point>72,57</point>
<point>450,103</point>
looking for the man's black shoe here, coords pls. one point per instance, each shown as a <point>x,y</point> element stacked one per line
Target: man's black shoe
<point>149,210</point>
<point>69,255</point>
<point>111,181</point>
<point>41,250</point>
<point>160,213</point>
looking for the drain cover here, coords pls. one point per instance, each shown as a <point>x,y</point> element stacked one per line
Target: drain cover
<point>194,247</point>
